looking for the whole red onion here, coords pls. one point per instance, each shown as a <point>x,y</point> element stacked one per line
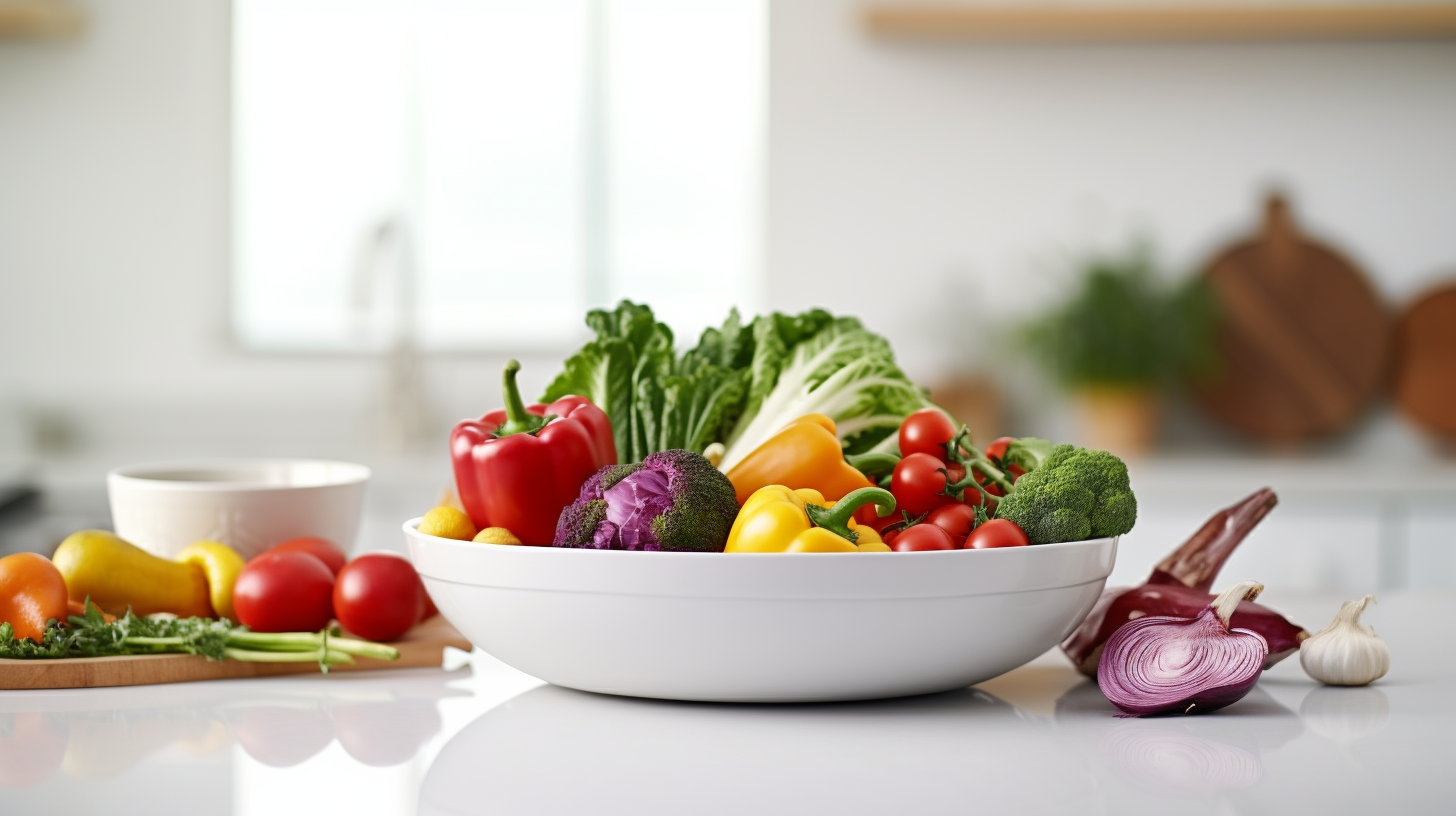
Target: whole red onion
<point>1167,665</point>
<point>1179,587</point>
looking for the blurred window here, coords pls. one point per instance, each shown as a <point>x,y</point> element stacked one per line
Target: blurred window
<point>477,173</point>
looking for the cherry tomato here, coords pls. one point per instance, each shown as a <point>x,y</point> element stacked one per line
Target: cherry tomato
<point>284,592</point>
<point>996,533</point>
<point>320,548</point>
<point>969,495</point>
<point>32,592</point>
<point>926,431</point>
<point>922,537</point>
<point>995,451</point>
<point>917,483</point>
<point>379,596</point>
<point>956,519</point>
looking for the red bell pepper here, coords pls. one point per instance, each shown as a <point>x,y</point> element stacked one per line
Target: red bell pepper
<point>517,467</point>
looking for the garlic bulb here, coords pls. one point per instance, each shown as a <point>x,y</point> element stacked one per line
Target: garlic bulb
<point>1346,653</point>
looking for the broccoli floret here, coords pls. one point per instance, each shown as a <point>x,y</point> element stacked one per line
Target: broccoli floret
<point>673,500</point>
<point>1074,495</point>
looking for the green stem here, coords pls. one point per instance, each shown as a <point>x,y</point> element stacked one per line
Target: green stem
<point>364,648</point>
<point>329,657</point>
<point>836,519</point>
<point>310,641</point>
<point>518,419</point>
<point>872,463</point>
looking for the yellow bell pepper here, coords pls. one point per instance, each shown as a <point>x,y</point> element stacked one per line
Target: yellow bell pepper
<point>803,454</point>
<point>778,519</point>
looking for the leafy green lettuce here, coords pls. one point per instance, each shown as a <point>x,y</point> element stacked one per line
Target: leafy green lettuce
<point>740,384</point>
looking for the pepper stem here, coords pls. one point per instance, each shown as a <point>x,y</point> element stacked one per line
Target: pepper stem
<point>836,519</point>
<point>1229,599</point>
<point>872,463</point>
<point>518,419</point>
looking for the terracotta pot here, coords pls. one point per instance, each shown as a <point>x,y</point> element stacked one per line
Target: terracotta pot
<point>1120,419</point>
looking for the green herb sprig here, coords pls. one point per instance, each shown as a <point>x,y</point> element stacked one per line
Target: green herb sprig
<point>91,635</point>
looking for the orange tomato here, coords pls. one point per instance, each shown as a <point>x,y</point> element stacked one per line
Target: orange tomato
<point>32,591</point>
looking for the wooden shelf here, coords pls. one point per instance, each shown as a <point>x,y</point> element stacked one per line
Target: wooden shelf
<point>1032,23</point>
<point>38,20</point>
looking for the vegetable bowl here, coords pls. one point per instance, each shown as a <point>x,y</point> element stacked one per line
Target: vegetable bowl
<point>746,627</point>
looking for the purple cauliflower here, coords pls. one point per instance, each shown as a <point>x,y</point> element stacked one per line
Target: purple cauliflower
<point>674,500</point>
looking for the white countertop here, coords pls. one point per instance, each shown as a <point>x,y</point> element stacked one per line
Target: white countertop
<point>486,739</point>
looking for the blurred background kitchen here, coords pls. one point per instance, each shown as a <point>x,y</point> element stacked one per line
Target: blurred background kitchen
<point>318,228</point>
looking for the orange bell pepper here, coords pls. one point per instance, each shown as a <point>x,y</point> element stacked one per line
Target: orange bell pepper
<point>803,454</point>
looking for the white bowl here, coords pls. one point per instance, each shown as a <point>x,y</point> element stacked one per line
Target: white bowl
<point>776,627</point>
<point>248,504</point>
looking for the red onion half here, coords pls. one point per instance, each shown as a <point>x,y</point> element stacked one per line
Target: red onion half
<point>1165,665</point>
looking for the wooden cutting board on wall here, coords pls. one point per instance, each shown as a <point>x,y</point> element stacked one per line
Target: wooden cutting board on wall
<point>1425,367</point>
<point>1304,340</point>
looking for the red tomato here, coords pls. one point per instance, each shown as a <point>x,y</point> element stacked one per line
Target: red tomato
<point>956,519</point>
<point>917,483</point>
<point>996,533</point>
<point>926,431</point>
<point>995,451</point>
<point>922,537</point>
<point>379,596</point>
<point>320,548</point>
<point>284,592</point>
<point>969,495</point>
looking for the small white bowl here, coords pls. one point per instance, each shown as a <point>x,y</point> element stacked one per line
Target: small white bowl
<point>248,504</point>
<point>779,627</point>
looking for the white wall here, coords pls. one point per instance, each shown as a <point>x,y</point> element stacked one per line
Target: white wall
<point>899,172</point>
<point>925,171</point>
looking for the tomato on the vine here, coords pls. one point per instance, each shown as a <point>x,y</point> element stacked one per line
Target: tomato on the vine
<point>918,483</point>
<point>996,533</point>
<point>922,537</point>
<point>926,431</point>
<point>379,596</point>
<point>956,519</point>
<point>996,451</point>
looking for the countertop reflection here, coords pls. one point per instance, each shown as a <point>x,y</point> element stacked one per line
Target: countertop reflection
<point>486,739</point>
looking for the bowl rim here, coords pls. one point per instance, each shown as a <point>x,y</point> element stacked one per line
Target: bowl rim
<point>132,475</point>
<point>411,528</point>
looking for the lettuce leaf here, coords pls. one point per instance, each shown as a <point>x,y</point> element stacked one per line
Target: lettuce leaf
<point>739,384</point>
<point>838,368</point>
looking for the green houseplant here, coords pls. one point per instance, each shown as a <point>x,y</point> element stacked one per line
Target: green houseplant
<point>1123,336</point>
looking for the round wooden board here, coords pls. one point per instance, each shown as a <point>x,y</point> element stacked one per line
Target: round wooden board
<point>1303,339</point>
<point>1425,361</point>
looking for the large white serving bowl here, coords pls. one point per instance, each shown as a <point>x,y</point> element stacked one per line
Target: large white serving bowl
<point>779,627</point>
<point>248,504</point>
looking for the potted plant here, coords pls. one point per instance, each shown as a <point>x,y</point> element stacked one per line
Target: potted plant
<point>1122,338</point>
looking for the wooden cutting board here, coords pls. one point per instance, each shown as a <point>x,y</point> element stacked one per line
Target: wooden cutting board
<point>1425,367</point>
<point>421,648</point>
<point>1304,340</point>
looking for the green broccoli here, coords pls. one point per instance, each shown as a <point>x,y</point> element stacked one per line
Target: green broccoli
<point>673,500</point>
<point>1075,494</point>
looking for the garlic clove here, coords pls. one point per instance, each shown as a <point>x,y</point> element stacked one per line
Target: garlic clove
<point>1346,653</point>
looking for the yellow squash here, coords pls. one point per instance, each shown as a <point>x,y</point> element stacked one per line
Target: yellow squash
<point>778,519</point>
<point>114,575</point>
